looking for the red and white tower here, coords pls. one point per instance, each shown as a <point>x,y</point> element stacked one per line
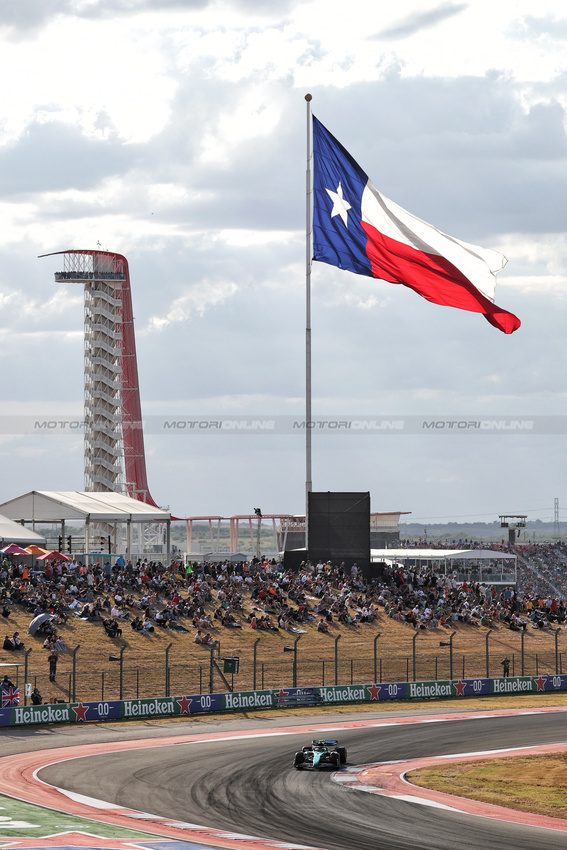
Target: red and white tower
<point>114,441</point>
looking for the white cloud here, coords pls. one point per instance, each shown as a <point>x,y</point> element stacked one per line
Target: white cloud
<point>174,132</point>
<point>194,303</point>
<point>75,71</point>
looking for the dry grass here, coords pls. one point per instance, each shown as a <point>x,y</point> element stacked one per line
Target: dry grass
<point>144,656</point>
<point>532,784</point>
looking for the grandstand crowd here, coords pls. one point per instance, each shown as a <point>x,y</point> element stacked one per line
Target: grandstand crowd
<point>263,595</point>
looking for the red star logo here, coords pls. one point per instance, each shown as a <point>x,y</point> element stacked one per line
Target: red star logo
<point>460,688</point>
<point>374,691</point>
<point>81,712</point>
<point>541,683</point>
<point>184,704</point>
<point>282,695</point>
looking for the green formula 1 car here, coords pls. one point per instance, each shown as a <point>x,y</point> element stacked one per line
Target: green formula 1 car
<point>321,754</point>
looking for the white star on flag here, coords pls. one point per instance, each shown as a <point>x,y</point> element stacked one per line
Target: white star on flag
<point>340,206</point>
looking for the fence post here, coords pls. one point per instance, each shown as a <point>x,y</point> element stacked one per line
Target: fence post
<point>167,669</point>
<point>256,642</point>
<point>489,632</point>
<point>414,638</point>
<point>296,641</point>
<point>75,672</point>
<point>375,664</point>
<point>557,651</point>
<point>337,639</point>
<point>522,635</point>
<point>122,672</point>
<point>451,654</point>
<point>211,670</point>
<point>27,652</point>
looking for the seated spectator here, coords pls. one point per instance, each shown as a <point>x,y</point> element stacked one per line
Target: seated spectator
<point>199,637</point>
<point>229,621</point>
<point>17,642</point>
<point>111,628</point>
<point>147,625</point>
<point>322,626</point>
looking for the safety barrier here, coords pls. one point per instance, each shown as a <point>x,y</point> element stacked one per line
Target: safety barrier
<point>79,712</point>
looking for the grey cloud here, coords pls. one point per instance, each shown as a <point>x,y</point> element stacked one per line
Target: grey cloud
<point>56,156</point>
<point>459,153</point>
<point>27,16</point>
<point>531,27</point>
<point>421,20</point>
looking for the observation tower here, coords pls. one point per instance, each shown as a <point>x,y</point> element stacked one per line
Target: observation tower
<point>115,460</point>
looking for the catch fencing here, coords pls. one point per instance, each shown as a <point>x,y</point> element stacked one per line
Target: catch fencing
<point>123,678</point>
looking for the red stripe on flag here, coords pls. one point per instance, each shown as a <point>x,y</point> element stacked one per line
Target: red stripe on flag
<point>431,276</point>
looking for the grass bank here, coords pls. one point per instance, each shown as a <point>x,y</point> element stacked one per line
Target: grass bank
<point>531,784</point>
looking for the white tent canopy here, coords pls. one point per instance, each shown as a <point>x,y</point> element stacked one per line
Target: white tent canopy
<point>440,554</point>
<point>490,566</point>
<point>13,532</point>
<point>53,506</point>
<point>91,509</point>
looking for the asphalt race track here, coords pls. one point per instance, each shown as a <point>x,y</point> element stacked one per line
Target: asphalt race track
<point>249,786</point>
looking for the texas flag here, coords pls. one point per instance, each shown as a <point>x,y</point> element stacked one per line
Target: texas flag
<point>358,229</point>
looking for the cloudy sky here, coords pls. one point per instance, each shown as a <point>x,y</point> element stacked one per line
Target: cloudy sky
<point>173,132</point>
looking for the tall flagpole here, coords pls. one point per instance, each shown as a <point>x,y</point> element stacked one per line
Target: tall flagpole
<point>308,256</point>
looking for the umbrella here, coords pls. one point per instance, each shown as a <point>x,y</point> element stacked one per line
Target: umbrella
<point>37,622</point>
<point>14,549</point>
<point>35,550</point>
<point>53,556</point>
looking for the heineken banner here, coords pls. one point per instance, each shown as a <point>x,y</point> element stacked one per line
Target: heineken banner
<point>83,712</point>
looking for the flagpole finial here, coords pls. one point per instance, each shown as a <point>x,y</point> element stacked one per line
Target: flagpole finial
<point>308,97</point>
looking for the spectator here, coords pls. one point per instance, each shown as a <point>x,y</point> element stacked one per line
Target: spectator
<point>16,641</point>
<point>52,665</point>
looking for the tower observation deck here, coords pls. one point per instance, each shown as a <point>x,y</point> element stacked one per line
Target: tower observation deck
<point>114,441</point>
